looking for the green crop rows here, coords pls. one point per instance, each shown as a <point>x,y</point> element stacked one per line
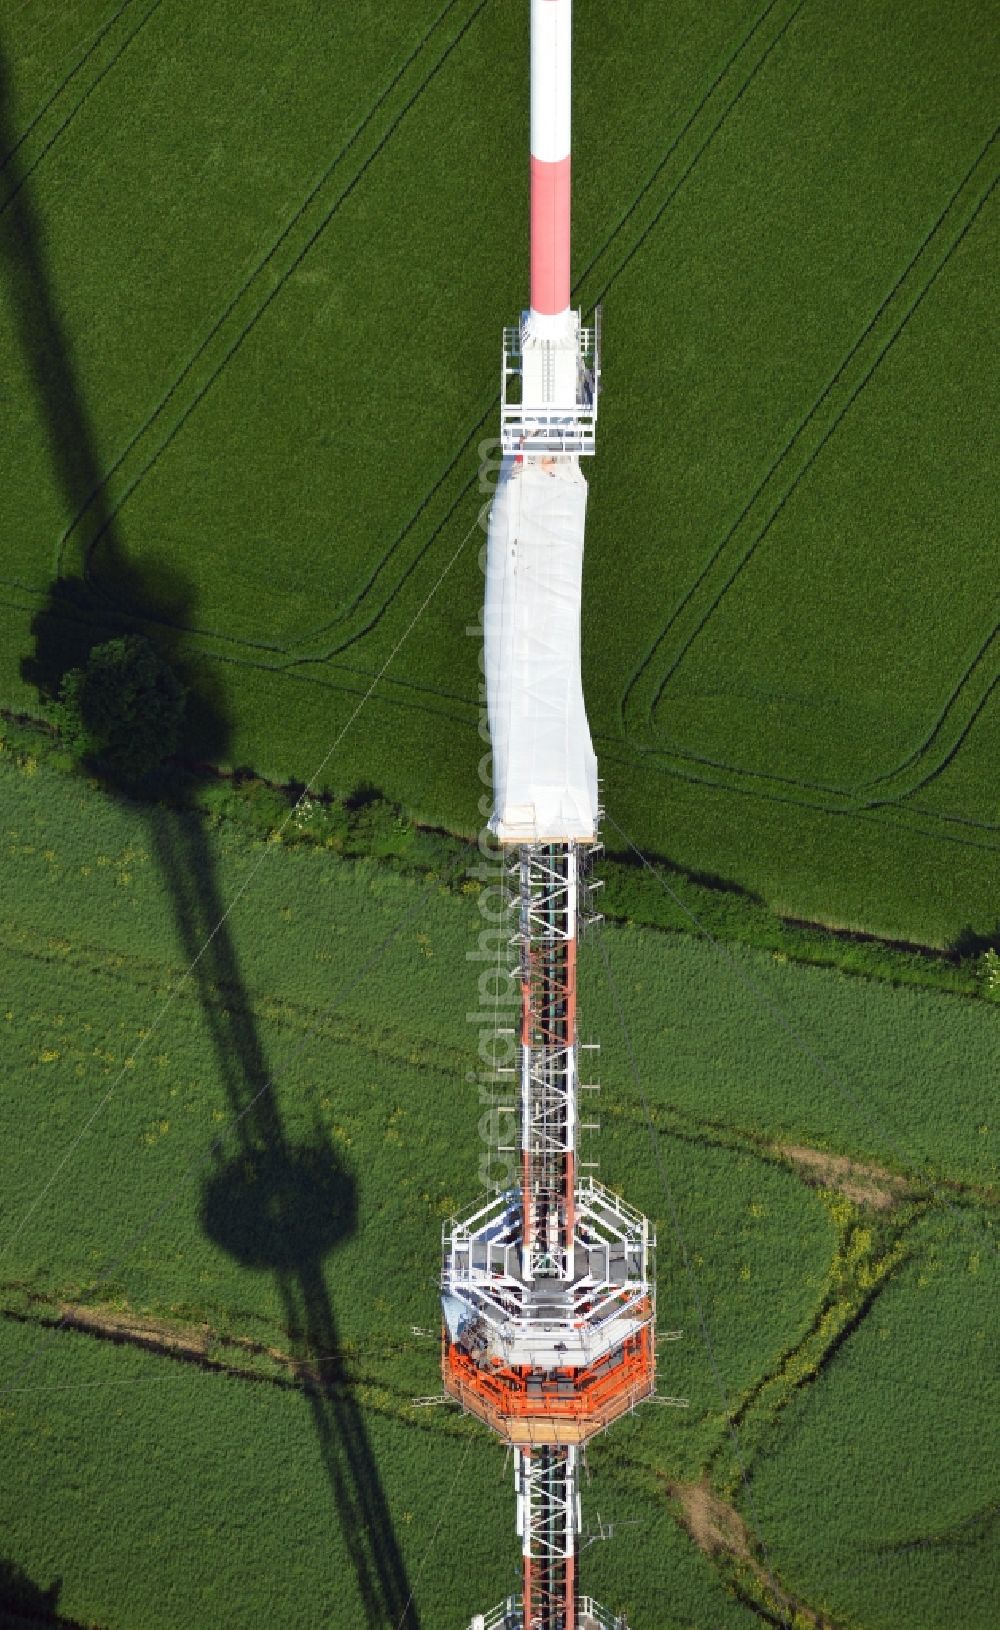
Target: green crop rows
<point>254,270</point>
<point>351,987</point>
<point>256,291</point>
<point>907,1407</point>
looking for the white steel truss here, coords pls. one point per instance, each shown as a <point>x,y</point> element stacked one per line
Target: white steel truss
<point>609,1295</point>
<point>548,876</point>
<point>548,1522</point>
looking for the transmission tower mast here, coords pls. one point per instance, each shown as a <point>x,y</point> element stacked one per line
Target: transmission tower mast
<point>547,1289</point>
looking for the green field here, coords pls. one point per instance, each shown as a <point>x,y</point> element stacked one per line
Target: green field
<point>255,299</point>
<point>339,978</point>
<point>906,1406</point>
<point>253,288</point>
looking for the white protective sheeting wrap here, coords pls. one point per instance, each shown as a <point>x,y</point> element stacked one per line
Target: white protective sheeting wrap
<point>544,768</point>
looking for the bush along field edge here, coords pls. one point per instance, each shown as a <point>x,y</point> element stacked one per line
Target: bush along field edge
<point>360,823</point>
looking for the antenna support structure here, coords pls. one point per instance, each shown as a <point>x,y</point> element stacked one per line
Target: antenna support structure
<point>548,1285</point>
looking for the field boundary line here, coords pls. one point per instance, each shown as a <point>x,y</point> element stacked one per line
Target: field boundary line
<point>201,1161</point>
<point>237,896</point>
<point>764,1000</point>
<point>819,401</point>
<point>263,262</point>
<point>826,437</point>
<point>727,1410</point>
<point>95,83</point>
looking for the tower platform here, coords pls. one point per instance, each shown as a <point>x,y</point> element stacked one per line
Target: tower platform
<point>550,381</point>
<point>509,1615</point>
<point>549,1361</point>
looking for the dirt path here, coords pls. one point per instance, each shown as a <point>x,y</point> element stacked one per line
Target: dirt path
<point>194,1343</point>
<point>866,1185</point>
<point>713,1525</point>
<point>719,1531</point>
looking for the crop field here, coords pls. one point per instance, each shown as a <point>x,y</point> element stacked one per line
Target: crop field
<point>223,1428</point>
<point>255,290</point>
<point>254,266</point>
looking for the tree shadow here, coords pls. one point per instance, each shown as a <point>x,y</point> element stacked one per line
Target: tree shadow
<point>278,1204</point>
<point>82,608</point>
<point>22,1602</point>
<point>970,942</point>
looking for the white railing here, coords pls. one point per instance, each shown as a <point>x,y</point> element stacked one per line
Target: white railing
<point>533,428</point>
<point>509,1615</point>
<point>494,1288</point>
<point>601,1207</point>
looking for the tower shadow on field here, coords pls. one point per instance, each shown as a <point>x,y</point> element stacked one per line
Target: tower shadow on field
<point>81,608</point>
<point>276,1203</point>
<point>284,1206</point>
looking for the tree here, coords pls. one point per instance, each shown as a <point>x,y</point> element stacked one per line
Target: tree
<point>123,709</point>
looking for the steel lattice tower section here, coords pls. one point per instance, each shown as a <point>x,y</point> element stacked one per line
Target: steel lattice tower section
<point>547,1289</point>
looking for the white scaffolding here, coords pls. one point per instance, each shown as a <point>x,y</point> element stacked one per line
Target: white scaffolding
<point>550,389</point>
<point>544,766</point>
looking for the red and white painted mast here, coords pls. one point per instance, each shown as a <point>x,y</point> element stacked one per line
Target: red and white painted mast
<point>548,1295</point>
<point>551,363</point>
<point>551,181</point>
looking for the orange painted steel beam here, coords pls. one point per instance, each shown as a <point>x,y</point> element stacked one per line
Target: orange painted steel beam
<point>585,1401</point>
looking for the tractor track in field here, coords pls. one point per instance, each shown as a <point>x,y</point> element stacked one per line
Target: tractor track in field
<point>760,497</point>
<point>792,9</point>
<point>63,85</point>
<point>758,786</point>
<point>94,85</point>
<point>976,684</point>
<point>200,1347</point>
<point>613,237</point>
<point>711,1523</point>
<point>715,1526</point>
<point>289,661</point>
<point>494,402</point>
<point>868,1184</point>
<point>687,125</point>
<point>375,617</point>
<point>232,345</point>
<point>292,658</point>
<point>284,1012</point>
<point>837,1317</point>
<point>973,690</point>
